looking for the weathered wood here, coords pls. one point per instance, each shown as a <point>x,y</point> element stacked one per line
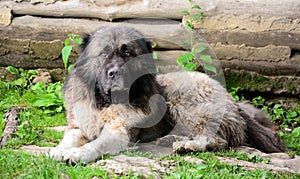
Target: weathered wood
<point>168,35</point>
<point>12,121</point>
<point>166,62</point>
<point>109,10</point>
<point>289,67</point>
<point>255,39</point>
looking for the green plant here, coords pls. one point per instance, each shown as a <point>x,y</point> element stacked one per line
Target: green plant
<point>292,139</point>
<point>26,134</point>
<point>23,77</point>
<point>234,91</point>
<point>154,54</point>
<point>188,60</point>
<point>49,98</point>
<point>68,47</point>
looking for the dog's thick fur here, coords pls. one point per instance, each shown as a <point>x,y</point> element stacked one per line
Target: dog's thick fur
<point>114,98</point>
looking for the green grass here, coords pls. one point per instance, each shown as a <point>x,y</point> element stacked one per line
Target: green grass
<point>17,164</point>
<point>39,115</point>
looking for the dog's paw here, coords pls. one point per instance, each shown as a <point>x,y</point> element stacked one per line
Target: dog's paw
<point>57,153</point>
<point>183,147</point>
<point>168,140</point>
<point>81,154</point>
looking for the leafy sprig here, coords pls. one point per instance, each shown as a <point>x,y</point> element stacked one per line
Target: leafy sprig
<point>68,47</point>
<point>187,60</point>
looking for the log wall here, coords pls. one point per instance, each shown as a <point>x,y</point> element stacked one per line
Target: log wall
<point>256,42</point>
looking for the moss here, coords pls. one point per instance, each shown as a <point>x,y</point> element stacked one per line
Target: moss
<point>232,81</point>
<point>247,80</point>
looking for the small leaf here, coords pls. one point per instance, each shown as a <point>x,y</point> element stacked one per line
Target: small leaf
<point>46,100</point>
<point>12,70</point>
<point>293,114</point>
<point>185,12</point>
<point>59,109</point>
<point>78,40</point>
<point>32,72</point>
<point>206,58</point>
<point>66,51</point>
<point>190,66</point>
<point>200,49</point>
<point>187,57</point>
<point>153,44</point>
<point>154,55</point>
<point>70,68</point>
<point>67,41</point>
<point>210,68</point>
<point>196,7</point>
<point>38,88</point>
<point>189,25</point>
<point>20,82</point>
<point>197,16</point>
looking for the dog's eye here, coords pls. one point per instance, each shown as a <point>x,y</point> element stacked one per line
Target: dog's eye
<point>127,53</point>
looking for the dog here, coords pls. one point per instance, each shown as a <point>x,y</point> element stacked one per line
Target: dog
<point>114,98</point>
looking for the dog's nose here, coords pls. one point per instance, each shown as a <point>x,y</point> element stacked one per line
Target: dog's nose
<point>113,72</point>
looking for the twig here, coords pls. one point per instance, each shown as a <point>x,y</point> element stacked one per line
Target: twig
<point>12,122</point>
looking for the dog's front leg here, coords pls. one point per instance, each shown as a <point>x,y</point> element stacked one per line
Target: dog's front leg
<point>72,138</point>
<point>112,139</point>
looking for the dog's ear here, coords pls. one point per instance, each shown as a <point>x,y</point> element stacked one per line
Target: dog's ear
<point>85,41</point>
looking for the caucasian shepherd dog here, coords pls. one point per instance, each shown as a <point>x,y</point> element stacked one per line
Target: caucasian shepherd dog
<point>114,98</point>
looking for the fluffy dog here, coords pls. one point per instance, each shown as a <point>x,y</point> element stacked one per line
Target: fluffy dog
<point>114,98</point>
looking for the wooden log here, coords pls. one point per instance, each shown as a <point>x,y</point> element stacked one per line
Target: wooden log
<point>12,121</point>
<point>109,10</point>
<point>255,39</point>
<point>167,34</point>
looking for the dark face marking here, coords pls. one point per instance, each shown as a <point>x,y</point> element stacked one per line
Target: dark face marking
<point>111,60</point>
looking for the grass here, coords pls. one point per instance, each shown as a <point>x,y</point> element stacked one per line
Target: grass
<point>38,116</point>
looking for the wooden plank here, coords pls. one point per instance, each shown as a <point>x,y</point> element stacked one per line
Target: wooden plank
<point>168,34</point>
<point>109,10</point>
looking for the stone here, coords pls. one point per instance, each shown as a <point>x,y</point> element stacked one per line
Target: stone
<point>45,50</point>
<point>270,53</point>
<point>43,77</point>
<point>16,45</point>
<point>5,16</point>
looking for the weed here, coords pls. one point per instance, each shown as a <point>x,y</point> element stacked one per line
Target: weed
<point>187,60</point>
<point>39,101</point>
<point>23,77</point>
<point>234,91</point>
<point>68,47</point>
<point>48,98</point>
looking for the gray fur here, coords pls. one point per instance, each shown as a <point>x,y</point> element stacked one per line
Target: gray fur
<point>211,116</point>
<point>107,112</point>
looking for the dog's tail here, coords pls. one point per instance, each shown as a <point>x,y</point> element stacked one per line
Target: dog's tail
<point>261,132</point>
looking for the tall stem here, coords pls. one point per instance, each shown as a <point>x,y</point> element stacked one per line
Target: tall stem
<point>191,21</point>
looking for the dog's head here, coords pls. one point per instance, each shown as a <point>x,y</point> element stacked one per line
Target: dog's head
<point>111,60</point>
